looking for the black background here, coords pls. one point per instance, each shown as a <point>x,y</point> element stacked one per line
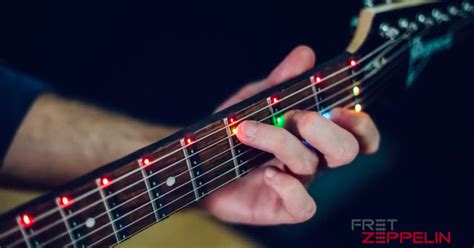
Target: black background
<point>174,62</point>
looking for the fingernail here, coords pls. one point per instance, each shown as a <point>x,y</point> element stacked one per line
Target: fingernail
<point>270,172</point>
<point>250,129</point>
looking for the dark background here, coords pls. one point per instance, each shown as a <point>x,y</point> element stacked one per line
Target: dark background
<point>174,62</point>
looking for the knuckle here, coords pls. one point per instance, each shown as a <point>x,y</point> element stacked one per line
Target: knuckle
<point>348,150</point>
<point>362,123</point>
<point>310,164</point>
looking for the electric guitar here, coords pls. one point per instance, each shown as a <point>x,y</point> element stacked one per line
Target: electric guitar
<point>391,45</point>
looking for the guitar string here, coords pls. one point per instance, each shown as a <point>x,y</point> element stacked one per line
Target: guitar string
<point>239,144</point>
<point>45,214</point>
<point>231,180</point>
<point>342,100</point>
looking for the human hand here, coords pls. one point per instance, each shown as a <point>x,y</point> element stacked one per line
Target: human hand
<point>275,192</point>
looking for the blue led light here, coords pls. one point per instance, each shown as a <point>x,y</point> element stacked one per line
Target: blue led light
<point>327,115</point>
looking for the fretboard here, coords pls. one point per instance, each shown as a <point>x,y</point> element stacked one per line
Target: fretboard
<point>113,203</point>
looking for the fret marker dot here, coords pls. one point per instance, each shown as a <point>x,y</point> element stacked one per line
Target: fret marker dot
<point>90,222</point>
<point>170,181</point>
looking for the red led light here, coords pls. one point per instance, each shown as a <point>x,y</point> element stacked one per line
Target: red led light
<point>104,182</point>
<point>352,62</point>
<point>275,100</point>
<point>188,141</point>
<point>26,220</point>
<point>316,79</point>
<point>146,161</point>
<point>231,120</point>
<point>65,201</point>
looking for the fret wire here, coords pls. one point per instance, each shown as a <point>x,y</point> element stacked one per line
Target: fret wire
<point>23,233</point>
<point>232,147</point>
<point>187,193</point>
<point>311,84</point>
<point>190,170</point>
<point>106,204</point>
<point>304,100</point>
<point>149,190</point>
<point>65,220</point>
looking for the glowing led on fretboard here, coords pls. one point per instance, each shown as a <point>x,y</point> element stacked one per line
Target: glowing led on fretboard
<point>327,115</point>
<point>356,91</point>
<point>104,182</point>
<point>234,131</point>
<point>316,79</point>
<point>358,107</point>
<point>65,201</point>
<point>145,161</point>
<point>188,141</point>
<point>26,220</point>
<point>352,62</point>
<point>274,100</point>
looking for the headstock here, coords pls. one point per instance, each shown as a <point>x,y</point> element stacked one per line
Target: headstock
<point>421,28</point>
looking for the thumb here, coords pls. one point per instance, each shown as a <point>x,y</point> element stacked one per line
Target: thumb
<point>301,59</point>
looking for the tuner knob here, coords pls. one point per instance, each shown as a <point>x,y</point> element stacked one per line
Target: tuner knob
<point>427,21</point>
<point>439,16</point>
<point>403,23</point>
<point>453,10</point>
<point>467,6</point>
<point>388,31</point>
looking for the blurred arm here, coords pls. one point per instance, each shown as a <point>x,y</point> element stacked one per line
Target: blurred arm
<point>61,139</point>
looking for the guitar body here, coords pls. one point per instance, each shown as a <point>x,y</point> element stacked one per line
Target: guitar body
<point>118,200</point>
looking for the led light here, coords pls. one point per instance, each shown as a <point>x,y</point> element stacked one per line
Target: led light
<point>352,62</point>
<point>145,161</point>
<point>358,107</point>
<point>279,121</point>
<point>26,220</point>
<point>231,120</point>
<point>316,79</point>
<point>104,182</point>
<point>234,131</point>
<point>188,141</point>
<point>274,100</point>
<point>327,115</point>
<point>65,201</point>
<point>356,90</point>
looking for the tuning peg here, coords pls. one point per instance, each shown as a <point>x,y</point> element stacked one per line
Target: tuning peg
<point>453,10</point>
<point>439,16</point>
<point>372,3</point>
<point>388,31</point>
<point>427,21</point>
<point>467,6</point>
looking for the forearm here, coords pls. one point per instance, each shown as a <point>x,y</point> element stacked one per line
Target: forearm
<point>61,139</point>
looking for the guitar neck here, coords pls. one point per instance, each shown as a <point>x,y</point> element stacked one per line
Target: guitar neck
<point>116,201</point>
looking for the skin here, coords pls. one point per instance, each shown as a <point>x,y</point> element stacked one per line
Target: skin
<point>61,139</point>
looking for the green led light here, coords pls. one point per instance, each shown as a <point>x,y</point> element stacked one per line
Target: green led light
<point>279,121</point>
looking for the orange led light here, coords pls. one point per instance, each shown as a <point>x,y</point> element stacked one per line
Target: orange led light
<point>234,131</point>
